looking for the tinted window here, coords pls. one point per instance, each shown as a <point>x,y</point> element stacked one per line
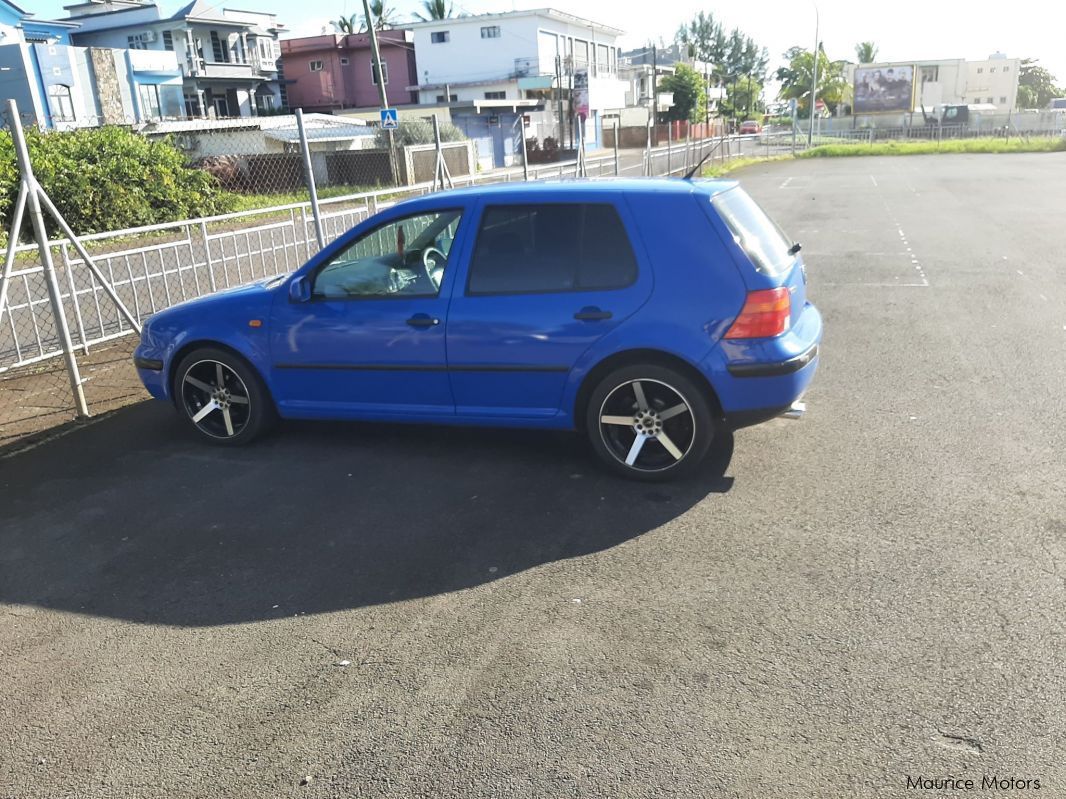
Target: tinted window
<point>546,248</point>
<point>763,241</point>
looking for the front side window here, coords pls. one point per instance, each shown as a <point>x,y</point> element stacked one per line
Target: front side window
<point>763,241</point>
<point>403,258</point>
<point>528,249</point>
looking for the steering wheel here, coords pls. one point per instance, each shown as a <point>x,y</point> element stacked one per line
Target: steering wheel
<point>433,261</point>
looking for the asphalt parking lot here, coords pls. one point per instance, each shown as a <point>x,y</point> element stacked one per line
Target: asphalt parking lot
<point>874,592</point>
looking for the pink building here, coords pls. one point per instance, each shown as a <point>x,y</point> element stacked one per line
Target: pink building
<point>334,71</point>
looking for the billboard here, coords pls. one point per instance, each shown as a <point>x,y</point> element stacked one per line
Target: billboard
<point>581,93</point>
<point>884,89</point>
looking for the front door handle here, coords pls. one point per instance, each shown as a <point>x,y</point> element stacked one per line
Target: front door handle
<point>423,320</point>
<point>592,314</point>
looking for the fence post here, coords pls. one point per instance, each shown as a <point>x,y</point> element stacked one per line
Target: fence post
<point>669,148</point>
<point>22,155</point>
<point>616,134</point>
<point>309,175</point>
<point>12,244</point>
<point>793,136</point>
<point>647,152</point>
<point>74,296</point>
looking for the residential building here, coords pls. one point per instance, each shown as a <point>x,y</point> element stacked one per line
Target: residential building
<point>229,58</point>
<point>335,71</point>
<point>497,70</point>
<point>636,68</point>
<point>58,85</point>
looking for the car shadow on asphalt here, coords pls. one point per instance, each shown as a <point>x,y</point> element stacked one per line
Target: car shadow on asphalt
<point>131,518</point>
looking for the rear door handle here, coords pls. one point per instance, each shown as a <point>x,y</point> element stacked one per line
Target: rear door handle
<point>423,320</point>
<point>592,314</point>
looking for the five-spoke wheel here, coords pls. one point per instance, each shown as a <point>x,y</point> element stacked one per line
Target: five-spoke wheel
<point>220,395</point>
<point>649,422</point>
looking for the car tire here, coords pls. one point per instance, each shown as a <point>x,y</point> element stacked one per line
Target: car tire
<point>666,410</point>
<point>222,397</point>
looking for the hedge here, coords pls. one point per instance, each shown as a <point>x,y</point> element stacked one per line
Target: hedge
<point>110,178</point>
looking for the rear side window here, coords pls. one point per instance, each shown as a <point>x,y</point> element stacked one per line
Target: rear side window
<point>525,249</point>
<point>763,241</point>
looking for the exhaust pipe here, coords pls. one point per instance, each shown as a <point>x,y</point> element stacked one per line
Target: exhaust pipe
<point>795,410</point>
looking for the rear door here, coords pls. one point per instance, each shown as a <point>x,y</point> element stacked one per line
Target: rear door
<point>545,281</point>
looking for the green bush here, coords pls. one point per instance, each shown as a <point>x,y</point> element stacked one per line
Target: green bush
<point>416,130</point>
<point>110,178</point>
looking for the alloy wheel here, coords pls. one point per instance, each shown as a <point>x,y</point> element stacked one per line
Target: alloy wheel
<point>647,425</point>
<point>215,399</point>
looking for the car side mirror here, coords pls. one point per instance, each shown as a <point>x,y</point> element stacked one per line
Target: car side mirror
<point>300,289</point>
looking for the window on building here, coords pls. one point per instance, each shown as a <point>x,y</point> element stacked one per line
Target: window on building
<point>344,60</point>
<point>439,37</point>
<point>266,49</point>
<point>454,98</point>
<point>134,42</point>
<point>192,106</point>
<point>384,73</point>
<point>149,96</point>
<point>496,95</point>
<point>60,103</point>
<point>315,66</point>
<point>979,69</point>
<point>1006,69</point>
<point>991,69</point>
<point>264,103</point>
<point>551,248</point>
<point>1002,100</point>
<point>490,32</point>
<point>930,74</point>
<point>218,50</point>
<point>989,101</point>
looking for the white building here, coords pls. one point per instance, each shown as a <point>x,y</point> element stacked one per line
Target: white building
<point>228,58</point>
<point>514,62</point>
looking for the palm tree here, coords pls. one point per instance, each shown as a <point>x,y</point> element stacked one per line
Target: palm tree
<point>435,9</point>
<point>383,16</point>
<point>866,52</point>
<point>345,24</point>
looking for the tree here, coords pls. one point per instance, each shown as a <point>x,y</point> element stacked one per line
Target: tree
<point>744,98</point>
<point>1026,97</point>
<point>690,96</point>
<point>703,39</point>
<point>866,52</point>
<point>436,9</point>
<point>1039,82</point>
<point>346,24</point>
<point>796,77</point>
<point>383,16</point>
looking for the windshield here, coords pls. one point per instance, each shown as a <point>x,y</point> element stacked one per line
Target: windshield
<point>763,241</point>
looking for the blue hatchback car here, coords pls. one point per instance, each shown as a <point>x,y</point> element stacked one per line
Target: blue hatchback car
<point>653,315</point>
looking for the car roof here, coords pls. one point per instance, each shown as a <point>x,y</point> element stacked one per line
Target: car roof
<point>561,189</point>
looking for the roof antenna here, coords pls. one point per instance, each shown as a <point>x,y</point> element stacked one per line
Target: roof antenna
<point>695,169</point>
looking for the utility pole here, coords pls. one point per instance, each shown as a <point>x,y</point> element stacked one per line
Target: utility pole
<point>559,97</point>
<point>376,54</point>
<point>814,79</point>
<point>654,85</point>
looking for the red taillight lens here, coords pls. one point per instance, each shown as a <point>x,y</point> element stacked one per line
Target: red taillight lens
<point>764,315</point>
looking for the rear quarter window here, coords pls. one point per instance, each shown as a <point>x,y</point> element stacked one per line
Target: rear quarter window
<point>757,234</point>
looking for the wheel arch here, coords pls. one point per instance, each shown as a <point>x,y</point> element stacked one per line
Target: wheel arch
<point>625,358</point>
<point>205,343</point>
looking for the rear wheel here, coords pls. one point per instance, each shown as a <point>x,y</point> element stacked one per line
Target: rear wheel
<point>649,422</point>
<point>222,397</point>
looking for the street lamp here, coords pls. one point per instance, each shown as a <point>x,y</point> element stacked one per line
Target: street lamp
<point>814,78</point>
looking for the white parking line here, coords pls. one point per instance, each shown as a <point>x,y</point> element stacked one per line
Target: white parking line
<point>873,180</point>
<point>786,181</point>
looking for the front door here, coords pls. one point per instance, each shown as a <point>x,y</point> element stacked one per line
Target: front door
<point>370,341</point>
<point>545,282</point>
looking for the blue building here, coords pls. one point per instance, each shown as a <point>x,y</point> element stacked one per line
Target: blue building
<point>59,85</point>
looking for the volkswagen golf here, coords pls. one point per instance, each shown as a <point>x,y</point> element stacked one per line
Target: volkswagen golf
<point>653,316</point>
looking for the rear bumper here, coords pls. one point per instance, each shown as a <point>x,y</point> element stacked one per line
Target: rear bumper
<point>758,380</point>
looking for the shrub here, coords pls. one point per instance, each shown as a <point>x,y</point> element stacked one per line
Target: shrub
<point>415,130</point>
<point>110,178</point>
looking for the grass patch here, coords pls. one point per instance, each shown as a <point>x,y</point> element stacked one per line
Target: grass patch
<point>252,202</point>
<point>1014,145</point>
<point>721,170</point>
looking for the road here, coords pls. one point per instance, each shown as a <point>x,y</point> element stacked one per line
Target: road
<point>873,593</point>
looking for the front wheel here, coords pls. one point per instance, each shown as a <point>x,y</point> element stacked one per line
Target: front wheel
<point>222,397</point>
<point>649,422</point>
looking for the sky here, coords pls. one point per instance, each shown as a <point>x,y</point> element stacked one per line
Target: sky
<point>902,29</point>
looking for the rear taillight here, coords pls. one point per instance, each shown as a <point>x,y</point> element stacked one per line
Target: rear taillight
<point>764,315</point>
